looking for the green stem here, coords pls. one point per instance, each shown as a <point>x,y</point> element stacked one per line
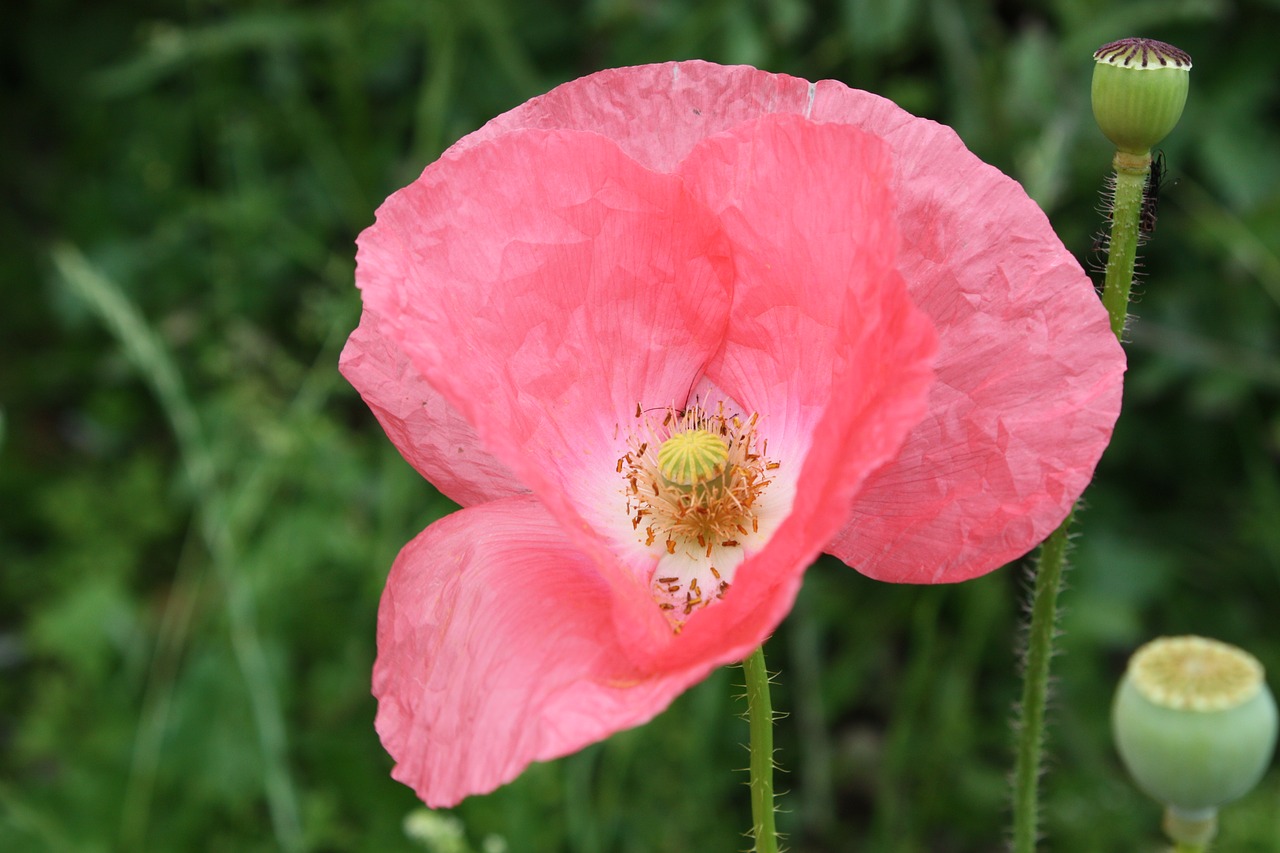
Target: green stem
<point>760,721</point>
<point>1126,211</point>
<point>1190,833</point>
<point>1035,687</point>
<point>1130,181</point>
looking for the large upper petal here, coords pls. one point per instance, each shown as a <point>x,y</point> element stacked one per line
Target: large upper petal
<point>809,210</point>
<point>546,285</point>
<point>1029,375</point>
<point>496,648</point>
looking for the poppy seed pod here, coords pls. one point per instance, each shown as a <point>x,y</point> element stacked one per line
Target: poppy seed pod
<point>1194,723</point>
<point>1139,90</point>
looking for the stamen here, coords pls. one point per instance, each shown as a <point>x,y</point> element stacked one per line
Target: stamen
<point>693,481</point>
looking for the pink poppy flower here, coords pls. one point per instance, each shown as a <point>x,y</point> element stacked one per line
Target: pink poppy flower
<point>666,334</point>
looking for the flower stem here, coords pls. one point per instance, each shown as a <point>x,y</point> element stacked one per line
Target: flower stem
<point>1035,687</point>
<point>1130,185</point>
<point>760,722</point>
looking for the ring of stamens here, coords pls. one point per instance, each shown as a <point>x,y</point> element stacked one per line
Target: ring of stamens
<point>693,485</point>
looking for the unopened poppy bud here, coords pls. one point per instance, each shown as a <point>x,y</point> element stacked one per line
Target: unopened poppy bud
<point>1139,90</point>
<point>1195,725</point>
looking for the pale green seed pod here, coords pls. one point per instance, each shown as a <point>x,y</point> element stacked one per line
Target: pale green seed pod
<point>692,457</point>
<point>1139,90</point>
<point>1194,723</point>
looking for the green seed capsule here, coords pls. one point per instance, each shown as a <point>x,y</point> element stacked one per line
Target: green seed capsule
<point>1139,90</point>
<point>1194,723</point>
<point>692,457</point>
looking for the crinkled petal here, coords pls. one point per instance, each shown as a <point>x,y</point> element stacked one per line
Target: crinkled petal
<point>496,648</point>
<point>1029,375</point>
<point>431,435</point>
<point>823,336</point>
<point>547,285</point>
<point>811,217</point>
<point>656,113</point>
<point>854,435</point>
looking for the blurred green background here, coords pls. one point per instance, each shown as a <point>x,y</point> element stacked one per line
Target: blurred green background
<point>198,514</point>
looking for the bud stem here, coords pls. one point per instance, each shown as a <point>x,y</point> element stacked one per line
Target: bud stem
<point>760,722</point>
<point>1131,181</point>
<point>1135,113</point>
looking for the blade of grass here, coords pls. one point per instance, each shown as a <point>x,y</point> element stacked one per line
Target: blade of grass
<point>155,364</point>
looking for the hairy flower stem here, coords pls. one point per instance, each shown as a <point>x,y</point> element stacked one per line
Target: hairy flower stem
<point>1035,687</point>
<point>1130,180</point>
<point>760,722</point>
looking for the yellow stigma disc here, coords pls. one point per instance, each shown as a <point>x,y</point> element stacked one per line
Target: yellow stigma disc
<point>692,457</point>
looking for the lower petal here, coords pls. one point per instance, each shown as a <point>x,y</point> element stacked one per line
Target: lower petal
<point>496,648</point>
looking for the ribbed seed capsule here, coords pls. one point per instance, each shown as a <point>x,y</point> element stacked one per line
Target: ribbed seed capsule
<point>692,457</point>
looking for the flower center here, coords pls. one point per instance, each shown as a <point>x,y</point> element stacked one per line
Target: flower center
<point>695,485</point>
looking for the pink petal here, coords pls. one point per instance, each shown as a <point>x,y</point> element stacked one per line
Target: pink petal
<point>656,113</point>
<point>546,285</point>
<point>810,214</point>
<point>1029,374</point>
<point>823,337</point>
<point>427,431</point>
<point>856,432</point>
<point>496,648</point>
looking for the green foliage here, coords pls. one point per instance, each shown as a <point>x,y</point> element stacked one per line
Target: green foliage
<point>199,514</point>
